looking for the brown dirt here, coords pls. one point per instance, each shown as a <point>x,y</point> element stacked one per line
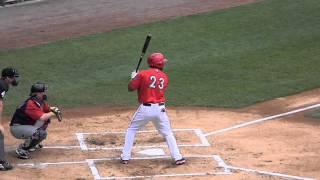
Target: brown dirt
<point>288,145</point>
<point>52,20</point>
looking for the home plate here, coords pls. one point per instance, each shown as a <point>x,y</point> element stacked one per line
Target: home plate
<point>153,152</point>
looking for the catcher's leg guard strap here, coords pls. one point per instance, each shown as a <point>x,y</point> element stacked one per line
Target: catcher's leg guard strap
<point>35,139</point>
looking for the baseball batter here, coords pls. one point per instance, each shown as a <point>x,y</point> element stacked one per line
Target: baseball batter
<point>151,85</point>
<point>8,77</point>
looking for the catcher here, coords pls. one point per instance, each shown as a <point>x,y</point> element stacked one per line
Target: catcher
<point>31,119</point>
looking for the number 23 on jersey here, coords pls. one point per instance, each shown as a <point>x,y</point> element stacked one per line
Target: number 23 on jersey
<point>156,82</point>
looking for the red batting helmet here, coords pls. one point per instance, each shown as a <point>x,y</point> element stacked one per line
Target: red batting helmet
<point>157,60</point>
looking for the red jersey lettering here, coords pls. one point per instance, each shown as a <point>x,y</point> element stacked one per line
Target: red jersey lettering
<point>151,85</point>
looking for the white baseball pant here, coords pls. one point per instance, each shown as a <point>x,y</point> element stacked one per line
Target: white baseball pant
<point>157,115</point>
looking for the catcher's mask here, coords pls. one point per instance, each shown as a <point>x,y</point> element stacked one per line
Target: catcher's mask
<point>11,73</point>
<point>38,87</point>
<point>157,60</point>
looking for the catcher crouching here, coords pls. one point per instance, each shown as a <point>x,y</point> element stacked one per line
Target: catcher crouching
<point>31,119</point>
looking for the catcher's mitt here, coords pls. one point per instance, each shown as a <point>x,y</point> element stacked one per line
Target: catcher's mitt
<point>57,112</point>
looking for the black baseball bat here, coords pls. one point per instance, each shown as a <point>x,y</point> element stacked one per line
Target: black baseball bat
<point>144,49</point>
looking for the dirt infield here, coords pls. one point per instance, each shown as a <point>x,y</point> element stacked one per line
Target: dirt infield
<point>51,20</point>
<point>288,145</point>
<point>87,144</point>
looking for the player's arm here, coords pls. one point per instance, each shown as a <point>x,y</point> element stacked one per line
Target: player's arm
<point>46,116</point>
<point>35,112</point>
<point>134,83</point>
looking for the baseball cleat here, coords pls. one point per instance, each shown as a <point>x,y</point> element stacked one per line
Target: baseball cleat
<point>22,154</point>
<point>5,166</point>
<point>36,147</point>
<point>180,161</point>
<point>124,161</point>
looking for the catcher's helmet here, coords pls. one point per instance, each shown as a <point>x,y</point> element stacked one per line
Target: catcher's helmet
<point>38,87</point>
<point>9,72</point>
<point>157,60</point>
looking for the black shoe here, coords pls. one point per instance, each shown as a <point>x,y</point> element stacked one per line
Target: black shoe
<point>5,166</point>
<point>124,161</point>
<point>22,154</point>
<point>180,161</point>
<point>36,147</point>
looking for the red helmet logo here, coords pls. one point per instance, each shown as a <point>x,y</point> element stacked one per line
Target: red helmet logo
<point>157,60</point>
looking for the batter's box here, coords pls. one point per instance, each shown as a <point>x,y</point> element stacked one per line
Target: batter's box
<point>144,139</point>
<point>111,168</point>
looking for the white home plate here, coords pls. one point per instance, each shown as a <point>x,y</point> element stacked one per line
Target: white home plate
<point>153,152</point>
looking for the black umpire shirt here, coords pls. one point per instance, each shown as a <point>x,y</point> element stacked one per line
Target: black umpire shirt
<point>4,87</point>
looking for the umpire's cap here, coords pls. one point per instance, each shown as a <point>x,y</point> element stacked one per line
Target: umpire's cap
<point>9,72</point>
<point>38,87</point>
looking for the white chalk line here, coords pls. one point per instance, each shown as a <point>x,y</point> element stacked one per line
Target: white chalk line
<point>153,157</point>
<point>67,147</point>
<point>221,163</point>
<point>142,147</point>
<point>262,120</point>
<point>84,147</point>
<point>218,159</point>
<point>97,176</point>
<point>145,131</point>
<point>165,175</point>
<point>82,142</point>
<point>203,139</point>
<point>21,3</point>
<point>94,170</point>
<point>51,163</point>
<point>270,173</point>
<point>61,147</point>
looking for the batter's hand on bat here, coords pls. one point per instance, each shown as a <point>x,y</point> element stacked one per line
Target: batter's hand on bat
<point>134,74</point>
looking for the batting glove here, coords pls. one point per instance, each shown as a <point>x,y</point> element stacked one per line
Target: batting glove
<point>133,74</point>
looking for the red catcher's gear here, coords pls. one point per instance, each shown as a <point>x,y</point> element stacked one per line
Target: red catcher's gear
<point>157,60</point>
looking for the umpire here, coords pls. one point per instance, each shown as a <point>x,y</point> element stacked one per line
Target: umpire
<point>9,76</point>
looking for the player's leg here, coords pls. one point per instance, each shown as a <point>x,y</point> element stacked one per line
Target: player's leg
<point>43,125</point>
<point>162,123</point>
<point>4,165</point>
<point>2,153</point>
<point>32,135</point>
<point>138,121</point>
<point>22,132</point>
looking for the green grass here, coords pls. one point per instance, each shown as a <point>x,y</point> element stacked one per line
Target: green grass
<point>228,58</point>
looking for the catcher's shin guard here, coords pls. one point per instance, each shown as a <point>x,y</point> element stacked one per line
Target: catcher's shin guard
<point>35,139</point>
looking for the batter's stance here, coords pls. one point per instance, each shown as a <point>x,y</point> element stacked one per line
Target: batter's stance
<point>151,85</point>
